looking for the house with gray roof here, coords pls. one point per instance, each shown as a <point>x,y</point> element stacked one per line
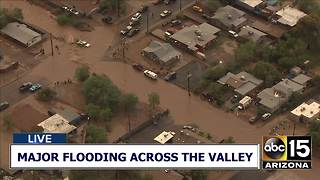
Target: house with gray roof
<point>229,18</point>
<point>161,53</point>
<point>243,82</point>
<point>21,33</point>
<point>273,98</point>
<point>195,38</point>
<point>248,33</point>
<point>302,79</point>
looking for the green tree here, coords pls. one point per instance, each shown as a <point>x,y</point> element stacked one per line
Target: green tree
<point>17,13</point>
<point>215,73</point>
<point>266,72</point>
<point>93,110</point>
<point>309,6</point>
<point>46,94</point>
<point>82,73</point>
<point>199,174</point>
<point>229,140</point>
<point>4,19</point>
<point>154,100</point>
<point>129,101</point>
<point>64,19</point>
<point>8,123</point>
<point>245,53</point>
<point>314,132</point>
<point>99,90</point>
<point>96,135</point>
<point>106,114</point>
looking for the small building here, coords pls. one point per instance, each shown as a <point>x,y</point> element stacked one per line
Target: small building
<point>69,114</point>
<point>302,79</point>
<point>273,98</point>
<point>289,16</point>
<point>21,33</point>
<point>165,137</point>
<point>57,124</point>
<point>306,112</point>
<point>243,82</point>
<point>161,53</point>
<point>195,38</point>
<point>229,18</point>
<point>248,33</point>
<point>295,71</point>
<point>250,5</point>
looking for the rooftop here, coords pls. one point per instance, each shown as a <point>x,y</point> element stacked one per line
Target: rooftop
<point>164,137</point>
<point>229,16</point>
<point>251,33</point>
<point>242,82</point>
<point>56,124</point>
<point>290,16</point>
<point>20,32</point>
<point>194,35</point>
<point>308,110</point>
<point>252,3</point>
<point>164,51</point>
<point>301,79</point>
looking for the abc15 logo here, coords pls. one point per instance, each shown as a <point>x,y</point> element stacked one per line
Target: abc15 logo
<point>284,148</point>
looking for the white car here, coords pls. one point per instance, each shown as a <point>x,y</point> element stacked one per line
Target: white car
<point>82,43</point>
<point>136,17</point>
<point>126,30</point>
<point>265,116</point>
<point>150,74</point>
<point>165,13</point>
<point>233,34</point>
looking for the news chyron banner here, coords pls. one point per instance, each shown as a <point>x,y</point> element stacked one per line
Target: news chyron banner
<point>50,151</point>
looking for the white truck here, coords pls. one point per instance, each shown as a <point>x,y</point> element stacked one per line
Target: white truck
<point>244,102</point>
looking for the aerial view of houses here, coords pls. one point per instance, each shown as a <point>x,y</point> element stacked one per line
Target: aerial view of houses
<point>160,72</point>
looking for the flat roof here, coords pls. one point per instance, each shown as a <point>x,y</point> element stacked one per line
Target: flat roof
<point>164,137</point>
<point>307,110</point>
<point>251,33</point>
<point>301,79</point>
<point>290,16</point>
<point>252,3</point>
<point>56,124</point>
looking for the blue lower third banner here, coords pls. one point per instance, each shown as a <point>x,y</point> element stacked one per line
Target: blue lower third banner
<point>129,156</point>
<point>39,138</point>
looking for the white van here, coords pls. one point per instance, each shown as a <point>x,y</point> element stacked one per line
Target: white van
<point>150,74</point>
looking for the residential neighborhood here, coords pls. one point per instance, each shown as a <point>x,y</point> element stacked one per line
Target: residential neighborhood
<point>160,72</point>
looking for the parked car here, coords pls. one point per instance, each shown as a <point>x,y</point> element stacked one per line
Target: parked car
<point>233,34</point>
<point>126,30</point>
<point>165,13</point>
<point>253,119</point>
<point>138,67</point>
<point>170,76</point>
<point>167,2</point>
<point>25,87</point>
<point>133,32</point>
<point>107,20</point>
<point>176,22</point>
<point>4,105</point>
<point>206,16</point>
<point>82,43</point>
<point>134,23</point>
<point>197,9</point>
<point>266,116</point>
<point>150,74</point>
<point>136,17</point>
<point>35,87</point>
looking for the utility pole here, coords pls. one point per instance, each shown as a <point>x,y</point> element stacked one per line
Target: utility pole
<point>188,78</point>
<point>118,7</point>
<point>51,44</point>
<point>147,21</point>
<point>180,5</point>
<point>294,128</point>
<point>123,48</point>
